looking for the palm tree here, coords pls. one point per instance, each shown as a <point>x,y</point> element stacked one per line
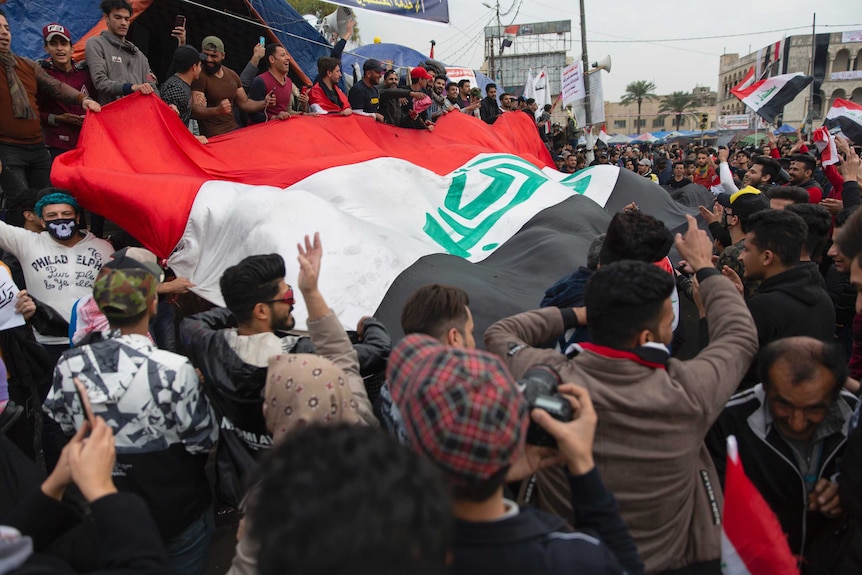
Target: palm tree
<point>638,91</point>
<point>677,103</point>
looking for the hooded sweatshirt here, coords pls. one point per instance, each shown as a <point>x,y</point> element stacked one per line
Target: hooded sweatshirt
<point>791,303</point>
<point>115,65</point>
<point>163,424</point>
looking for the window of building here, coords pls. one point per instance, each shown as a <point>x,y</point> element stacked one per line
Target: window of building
<point>658,123</point>
<point>619,123</point>
<point>641,123</point>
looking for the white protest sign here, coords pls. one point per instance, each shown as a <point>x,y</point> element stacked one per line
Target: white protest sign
<point>572,83</point>
<point>8,294</point>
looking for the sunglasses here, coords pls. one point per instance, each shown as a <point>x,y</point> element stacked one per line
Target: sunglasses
<point>286,297</point>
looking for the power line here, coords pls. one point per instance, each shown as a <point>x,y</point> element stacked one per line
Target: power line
<point>464,48</point>
<point>632,41</point>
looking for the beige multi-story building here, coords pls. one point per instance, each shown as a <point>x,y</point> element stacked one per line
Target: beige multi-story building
<point>622,118</point>
<point>843,74</point>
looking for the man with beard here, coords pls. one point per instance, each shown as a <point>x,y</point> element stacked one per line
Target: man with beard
<point>232,347</point>
<point>761,173</point>
<point>704,174</point>
<point>393,99</point>
<point>117,66</point>
<point>801,172</point>
<point>217,90</point>
<point>364,96</point>
<point>439,103</point>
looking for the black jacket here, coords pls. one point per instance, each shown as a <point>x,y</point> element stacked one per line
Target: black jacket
<point>489,111</point>
<point>129,542</point>
<point>788,304</point>
<point>536,542</point>
<point>793,303</point>
<point>234,390</point>
<point>850,494</point>
<point>770,465</point>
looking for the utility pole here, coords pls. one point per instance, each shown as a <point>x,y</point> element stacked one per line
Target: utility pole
<point>585,59</point>
<point>811,71</point>
<point>500,42</point>
<point>492,70</point>
<point>588,116</point>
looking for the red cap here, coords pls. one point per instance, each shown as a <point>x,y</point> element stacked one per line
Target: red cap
<point>52,30</point>
<point>417,73</point>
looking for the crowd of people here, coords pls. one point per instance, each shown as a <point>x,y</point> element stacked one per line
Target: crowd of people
<point>581,439</point>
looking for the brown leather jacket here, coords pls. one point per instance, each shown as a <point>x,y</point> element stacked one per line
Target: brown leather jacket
<point>652,422</point>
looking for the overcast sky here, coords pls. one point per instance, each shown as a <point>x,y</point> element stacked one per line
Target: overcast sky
<point>671,65</point>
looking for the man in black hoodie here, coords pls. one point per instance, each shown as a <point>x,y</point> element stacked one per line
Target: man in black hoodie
<point>791,300</point>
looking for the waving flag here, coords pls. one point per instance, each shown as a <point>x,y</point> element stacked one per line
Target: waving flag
<point>769,96</point>
<point>432,10</point>
<point>847,116</point>
<point>825,144</point>
<point>468,204</point>
<point>752,542</point>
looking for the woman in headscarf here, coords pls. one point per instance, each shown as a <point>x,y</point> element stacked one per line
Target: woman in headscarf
<point>301,389</point>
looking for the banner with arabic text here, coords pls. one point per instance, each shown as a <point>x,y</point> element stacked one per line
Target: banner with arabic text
<point>431,10</point>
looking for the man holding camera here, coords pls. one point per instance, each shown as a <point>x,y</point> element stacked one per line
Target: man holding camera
<point>465,413</point>
<point>655,411</point>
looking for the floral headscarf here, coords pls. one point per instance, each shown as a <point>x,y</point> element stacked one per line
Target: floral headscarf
<point>302,389</point>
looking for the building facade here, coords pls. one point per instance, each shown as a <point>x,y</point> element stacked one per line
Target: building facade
<point>840,60</point>
<point>622,118</point>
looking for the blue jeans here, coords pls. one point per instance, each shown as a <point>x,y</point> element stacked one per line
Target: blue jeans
<point>24,167</point>
<point>188,552</point>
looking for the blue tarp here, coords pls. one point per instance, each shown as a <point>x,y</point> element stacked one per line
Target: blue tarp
<point>305,44</point>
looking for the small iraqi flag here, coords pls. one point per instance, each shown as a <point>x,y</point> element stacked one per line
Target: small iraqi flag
<point>752,542</point>
<point>769,96</point>
<point>846,115</point>
<point>825,144</point>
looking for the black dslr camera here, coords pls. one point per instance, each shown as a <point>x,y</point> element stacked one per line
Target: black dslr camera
<point>539,386</point>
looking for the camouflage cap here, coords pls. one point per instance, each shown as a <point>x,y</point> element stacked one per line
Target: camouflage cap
<point>126,283</point>
<point>123,293</point>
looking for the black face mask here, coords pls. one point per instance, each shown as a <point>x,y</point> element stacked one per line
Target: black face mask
<point>62,229</point>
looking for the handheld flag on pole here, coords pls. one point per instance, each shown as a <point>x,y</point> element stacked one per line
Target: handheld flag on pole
<point>752,541</point>
<point>847,116</point>
<point>825,144</point>
<point>769,96</point>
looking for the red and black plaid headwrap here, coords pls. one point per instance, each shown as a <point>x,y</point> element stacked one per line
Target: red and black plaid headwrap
<point>461,407</point>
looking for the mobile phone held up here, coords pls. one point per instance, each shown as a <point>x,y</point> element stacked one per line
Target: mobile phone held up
<point>86,408</point>
<point>262,41</point>
<point>180,21</point>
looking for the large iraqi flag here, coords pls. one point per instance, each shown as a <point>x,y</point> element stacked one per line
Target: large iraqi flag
<point>768,97</point>
<point>468,204</point>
